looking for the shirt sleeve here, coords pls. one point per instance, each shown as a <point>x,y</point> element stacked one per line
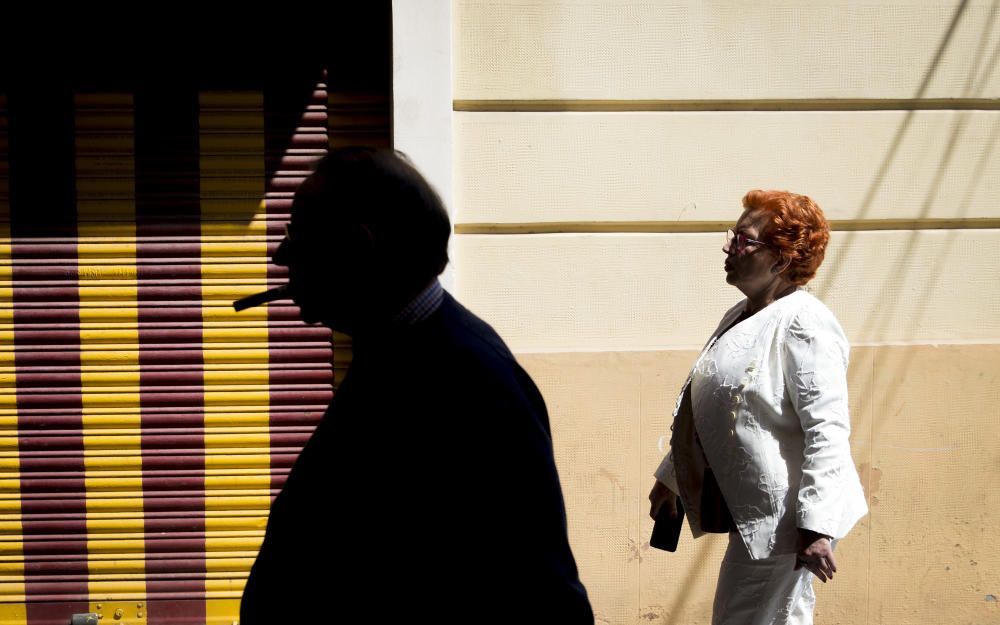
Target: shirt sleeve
<point>665,473</point>
<point>815,354</point>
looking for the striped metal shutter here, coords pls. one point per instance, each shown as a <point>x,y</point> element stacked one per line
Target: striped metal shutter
<point>145,426</point>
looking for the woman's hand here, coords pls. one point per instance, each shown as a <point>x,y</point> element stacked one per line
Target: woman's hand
<point>662,496</point>
<point>816,554</point>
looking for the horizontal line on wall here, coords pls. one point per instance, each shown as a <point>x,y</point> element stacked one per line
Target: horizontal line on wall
<point>695,348</point>
<point>819,104</point>
<point>624,227</point>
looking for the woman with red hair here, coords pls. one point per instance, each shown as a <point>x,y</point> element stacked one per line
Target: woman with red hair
<point>759,447</point>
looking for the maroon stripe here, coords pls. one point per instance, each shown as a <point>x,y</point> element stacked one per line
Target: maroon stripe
<point>285,183</point>
<point>42,145</point>
<point>61,567</point>
<point>295,162</point>
<point>283,115</point>
<point>46,609</point>
<point>313,118</point>
<point>167,184</point>
<point>279,209</point>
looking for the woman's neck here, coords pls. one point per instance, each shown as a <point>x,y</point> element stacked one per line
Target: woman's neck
<point>768,296</point>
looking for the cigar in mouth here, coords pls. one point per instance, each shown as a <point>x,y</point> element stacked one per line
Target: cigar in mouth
<point>258,299</point>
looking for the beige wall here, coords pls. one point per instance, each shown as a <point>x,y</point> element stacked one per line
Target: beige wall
<point>600,147</point>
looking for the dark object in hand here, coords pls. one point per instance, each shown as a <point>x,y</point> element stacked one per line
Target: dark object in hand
<point>666,530</point>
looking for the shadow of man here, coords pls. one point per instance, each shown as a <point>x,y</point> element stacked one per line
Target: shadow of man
<point>429,488</point>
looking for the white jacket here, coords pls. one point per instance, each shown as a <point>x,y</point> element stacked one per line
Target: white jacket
<point>768,401</point>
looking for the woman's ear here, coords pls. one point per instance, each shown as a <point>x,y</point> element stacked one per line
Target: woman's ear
<point>784,262</point>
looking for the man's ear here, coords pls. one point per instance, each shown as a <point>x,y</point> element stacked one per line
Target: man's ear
<point>367,235</point>
<point>362,240</point>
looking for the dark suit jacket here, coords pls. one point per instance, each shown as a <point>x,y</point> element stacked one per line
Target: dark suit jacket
<point>428,491</point>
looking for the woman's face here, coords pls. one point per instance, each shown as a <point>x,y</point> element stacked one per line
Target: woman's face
<point>753,267</point>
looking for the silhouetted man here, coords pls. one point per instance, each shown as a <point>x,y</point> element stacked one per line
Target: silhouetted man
<point>429,489</point>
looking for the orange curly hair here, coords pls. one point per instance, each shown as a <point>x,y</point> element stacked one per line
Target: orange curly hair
<point>796,230</point>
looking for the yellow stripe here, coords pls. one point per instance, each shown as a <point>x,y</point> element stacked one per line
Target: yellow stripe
<point>12,608</point>
<point>243,112</point>
<point>92,345</point>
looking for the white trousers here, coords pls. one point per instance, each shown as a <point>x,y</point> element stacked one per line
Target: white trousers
<point>762,592</point>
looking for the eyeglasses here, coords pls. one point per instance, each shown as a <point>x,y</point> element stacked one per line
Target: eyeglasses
<point>736,242</point>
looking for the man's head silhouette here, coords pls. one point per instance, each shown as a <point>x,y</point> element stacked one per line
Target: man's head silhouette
<point>367,234</point>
